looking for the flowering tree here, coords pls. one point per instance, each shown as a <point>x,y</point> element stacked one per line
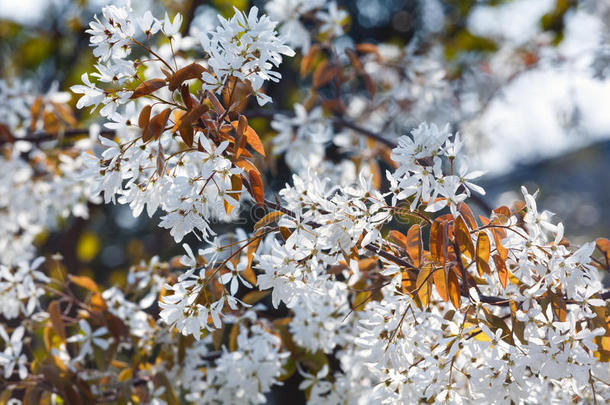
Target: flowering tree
<point>393,290</point>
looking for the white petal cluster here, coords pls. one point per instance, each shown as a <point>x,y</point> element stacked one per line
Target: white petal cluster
<point>20,288</point>
<point>241,376</point>
<point>420,175</point>
<point>11,358</point>
<point>328,223</point>
<point>191,187</point>
<point>245,47</point>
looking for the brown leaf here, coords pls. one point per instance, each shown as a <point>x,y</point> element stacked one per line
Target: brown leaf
<point>156,126</point>
<point>603,245</point>
<point>187,99</point>
<point>323,74</point>
<point>144,116</point>
<point>309,59</point>
<point>253,297</point>
<point>191,116</point>
<point>369,84</point>
<point>256,185</point>
<point>192,71</point>
<point>148,87</point>
<point>483,249</point>
<point>245,164</point>
<point>56,319</point>
<point>35,112</point>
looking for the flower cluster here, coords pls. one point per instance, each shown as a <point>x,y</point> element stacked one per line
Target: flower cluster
<point>420,174</point>
<point>245,47</point>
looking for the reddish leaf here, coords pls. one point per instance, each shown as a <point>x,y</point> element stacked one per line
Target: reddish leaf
<point>156,126</point>
<point>148,87</point>
<point>192,71</point>
<point>144,117</point>
<point>256,185</point>
<point>502,271</point>
<point>309,59</point>
<point>323,74</point>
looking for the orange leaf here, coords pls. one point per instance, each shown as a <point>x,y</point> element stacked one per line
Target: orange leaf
<point>252,247</point>
<point>323,74</point>
<point>367,48</point>
<point>453,285</point>
<point>467,215</point>
<point>423,285</point>
<point>267,219</point>
<point>256,185</point>
<point>434,233</point>
<point>503,214</point>
<point>148,87</point>
<point>483,248</point>
<point>251,137</point>
<point>414,244</point>
<point>603,245</point>
<point>462,237</point>
<point>398,238</point>
<point>85,282</point>
<point>245,164</point>
<point>440,281</point>
<point>498,235</point>
<point>502,271</point>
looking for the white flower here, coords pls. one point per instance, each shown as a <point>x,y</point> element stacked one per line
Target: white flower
<point>332,21</point>
<point>172,28</point>
<point>87,338</point>
<point>11,357</point>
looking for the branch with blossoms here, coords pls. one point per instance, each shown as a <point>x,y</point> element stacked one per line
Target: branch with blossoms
<point>378,288</point>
